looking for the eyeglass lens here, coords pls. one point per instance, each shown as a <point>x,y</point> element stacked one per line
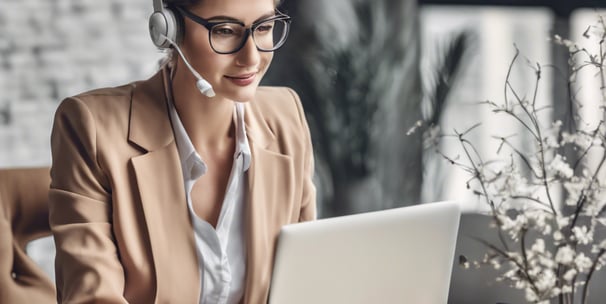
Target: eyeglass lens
<point>229,37</point>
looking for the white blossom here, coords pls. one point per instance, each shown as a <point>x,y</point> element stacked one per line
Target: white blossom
<point>580,139</point>
<point>558,236</point>
<point>546,280</point>
<point>519,284</point>
<point>495,264</point>
<point>574,187</point>
<point>551,141</point>
<point>538,246</point>
<point>582,262</point>
<point>569,275</point>
<point>513,226</point>
<point>539,219</point>
<point>583,235</point>
<point>555,291</point>
<point>571,45</point>
<point>414,128</point>
<point>560,167</point>
<point>530,295</point>
<point>546,259</point>
<point>565,255</point>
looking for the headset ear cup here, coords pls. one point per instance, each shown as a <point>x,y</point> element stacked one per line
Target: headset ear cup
<point>163,24</point>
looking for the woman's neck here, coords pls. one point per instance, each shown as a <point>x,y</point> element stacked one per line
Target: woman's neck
<point>207,121</point>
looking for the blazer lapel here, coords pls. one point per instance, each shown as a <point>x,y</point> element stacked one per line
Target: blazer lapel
<point>270,188</point>
<point>161,190</point>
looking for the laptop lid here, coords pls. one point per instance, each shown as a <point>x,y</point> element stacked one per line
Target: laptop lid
<point>402,255</point>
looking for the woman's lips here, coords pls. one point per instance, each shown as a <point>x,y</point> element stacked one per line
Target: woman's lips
<point>242,80</point>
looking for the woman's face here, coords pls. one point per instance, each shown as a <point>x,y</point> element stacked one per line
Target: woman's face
<point>233,76</point>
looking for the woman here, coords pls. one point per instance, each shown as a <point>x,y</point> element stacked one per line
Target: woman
<point>162,194</point>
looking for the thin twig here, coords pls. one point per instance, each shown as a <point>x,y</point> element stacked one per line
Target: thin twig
<point>508,75</point>
<point>590,274</point>
<point>522,156</point>
<point>583,200</point>
<point>525,257</point>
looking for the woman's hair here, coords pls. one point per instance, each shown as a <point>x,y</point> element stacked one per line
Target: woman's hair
<point>171,54</point>
<point>194,2</point>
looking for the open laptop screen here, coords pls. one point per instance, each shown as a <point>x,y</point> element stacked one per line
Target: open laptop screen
<point>402,255</point>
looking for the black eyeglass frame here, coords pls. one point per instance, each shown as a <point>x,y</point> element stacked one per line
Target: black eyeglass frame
<point>248,30</point>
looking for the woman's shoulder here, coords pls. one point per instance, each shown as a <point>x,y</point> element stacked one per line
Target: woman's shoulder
<point>102,106</point>
<point>106,94</point>
<point>101,101</point>
<point>108,99</point>
<point>280,109</point>
<point>278,103</point>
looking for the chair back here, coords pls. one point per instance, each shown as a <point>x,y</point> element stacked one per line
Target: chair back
<point>23,218</point>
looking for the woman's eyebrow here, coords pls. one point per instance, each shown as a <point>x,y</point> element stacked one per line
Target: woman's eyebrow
<point>228,18</point>
<point>265,16</point>
<point>223,18</point>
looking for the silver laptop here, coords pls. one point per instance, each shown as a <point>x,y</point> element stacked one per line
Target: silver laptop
<point>402,255</point>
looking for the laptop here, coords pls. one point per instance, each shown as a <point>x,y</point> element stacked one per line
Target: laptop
<point>401,255</point>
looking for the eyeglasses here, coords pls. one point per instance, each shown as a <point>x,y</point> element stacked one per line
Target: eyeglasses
<point>228,37</point>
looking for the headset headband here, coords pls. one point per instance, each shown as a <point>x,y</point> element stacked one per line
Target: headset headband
<point>158,6</point>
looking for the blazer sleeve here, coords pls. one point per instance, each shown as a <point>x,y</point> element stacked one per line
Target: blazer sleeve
<point>87,267</point>
<point>308,194</point>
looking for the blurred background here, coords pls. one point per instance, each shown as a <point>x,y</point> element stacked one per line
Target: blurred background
<point>372,75</point>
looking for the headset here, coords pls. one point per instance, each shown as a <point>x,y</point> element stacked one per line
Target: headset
<point>165,32</point>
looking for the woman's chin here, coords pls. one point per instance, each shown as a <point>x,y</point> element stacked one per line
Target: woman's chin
<point>241,94</point>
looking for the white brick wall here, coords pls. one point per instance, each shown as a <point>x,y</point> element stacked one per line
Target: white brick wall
<point>51,49</point>
<point>55,48</point>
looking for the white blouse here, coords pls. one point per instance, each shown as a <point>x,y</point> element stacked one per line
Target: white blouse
<point>221,251</point>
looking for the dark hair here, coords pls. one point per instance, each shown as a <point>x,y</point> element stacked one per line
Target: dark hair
<point>181,2</point>
<point>194,2</point>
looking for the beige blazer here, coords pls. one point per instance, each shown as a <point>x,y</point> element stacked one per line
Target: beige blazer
<point>117,202</point>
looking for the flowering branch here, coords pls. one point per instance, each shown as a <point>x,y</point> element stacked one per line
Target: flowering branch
<point>522,192</point>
